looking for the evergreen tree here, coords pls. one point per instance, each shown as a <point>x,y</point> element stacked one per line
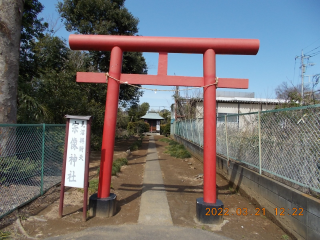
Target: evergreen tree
<point>106,17</point>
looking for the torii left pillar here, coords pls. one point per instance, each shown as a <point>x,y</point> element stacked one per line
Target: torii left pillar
<point>104,204</point>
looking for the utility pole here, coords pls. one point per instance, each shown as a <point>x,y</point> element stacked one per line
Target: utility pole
<point>302,75</point>
<point>303,70</point>
<point>175,104</point>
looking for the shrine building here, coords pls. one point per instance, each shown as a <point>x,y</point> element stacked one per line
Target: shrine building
<point>154,121</point>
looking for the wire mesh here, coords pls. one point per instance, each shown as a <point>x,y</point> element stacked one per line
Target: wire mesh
<point>290,145</point>
<point>192,130</point>
<point>290,141</point>
<point>30,162</point>
<point>243,139</point>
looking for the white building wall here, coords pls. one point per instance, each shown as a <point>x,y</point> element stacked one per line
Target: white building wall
<point>231,108</point>
<point>235,108</point>
<point>266,107</point>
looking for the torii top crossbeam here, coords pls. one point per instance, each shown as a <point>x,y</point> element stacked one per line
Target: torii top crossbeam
<point>209,47</point>
<point>164,44</point>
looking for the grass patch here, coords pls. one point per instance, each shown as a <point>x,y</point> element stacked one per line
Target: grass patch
<point>285,237</point>
<point>93,186</point>
<point>116,165</point>
<point>175,149</point>
<point>4,235</point>
<point>167,140</point>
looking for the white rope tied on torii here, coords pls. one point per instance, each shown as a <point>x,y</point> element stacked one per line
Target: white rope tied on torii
<point>155,90</point>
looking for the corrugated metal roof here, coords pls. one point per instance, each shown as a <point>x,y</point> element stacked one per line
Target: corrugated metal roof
<point>152,116</point>
<point>250,100</point>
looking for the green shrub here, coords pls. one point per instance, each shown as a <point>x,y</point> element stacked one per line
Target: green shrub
<point>14,169</point>
<point>131,128</point>
<point>146,127</point>
<point>136,145</point>
<point>165,129</point>
<point>138,127</point>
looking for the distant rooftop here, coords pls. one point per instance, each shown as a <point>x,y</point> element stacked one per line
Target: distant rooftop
<point>152,115</point>
<point>250,100</point>
<point>242,97</point>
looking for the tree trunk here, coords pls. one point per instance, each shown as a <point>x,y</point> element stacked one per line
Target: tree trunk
<point>10,29</point>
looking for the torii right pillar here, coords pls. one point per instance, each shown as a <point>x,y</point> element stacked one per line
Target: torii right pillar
<point>209,207</point>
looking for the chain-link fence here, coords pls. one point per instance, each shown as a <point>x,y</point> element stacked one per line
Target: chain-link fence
<point>283,142</point>
<point>31,157</point>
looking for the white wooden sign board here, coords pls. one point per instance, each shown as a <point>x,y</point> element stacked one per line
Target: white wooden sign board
<point>158,125</point>
<point>76,153</point>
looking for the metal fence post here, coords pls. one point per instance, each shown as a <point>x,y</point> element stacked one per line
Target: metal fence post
<point>191,123</point>
<point>186,124</point>
<point>259,129</point>
<point>42,156</point>
<point>176,128</point>
<point>198,131</point>
<point>226,123</point>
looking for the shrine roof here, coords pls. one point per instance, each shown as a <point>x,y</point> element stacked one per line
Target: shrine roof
<point>155,116</point>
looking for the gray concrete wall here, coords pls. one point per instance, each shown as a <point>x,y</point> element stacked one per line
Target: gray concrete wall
<point>270,194</point>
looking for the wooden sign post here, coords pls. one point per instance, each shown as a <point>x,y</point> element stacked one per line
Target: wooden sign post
<point>75,169</point>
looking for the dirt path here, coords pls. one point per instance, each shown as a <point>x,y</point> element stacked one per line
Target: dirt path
<point>183,183</point>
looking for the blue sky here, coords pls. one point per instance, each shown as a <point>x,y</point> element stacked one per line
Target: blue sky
<point>284,28</point>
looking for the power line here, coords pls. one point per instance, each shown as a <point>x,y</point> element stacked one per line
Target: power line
<point>311,43</point>
<point>312,49</point>
<point>314,54</point>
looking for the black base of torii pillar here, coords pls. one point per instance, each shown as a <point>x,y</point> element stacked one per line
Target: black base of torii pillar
<point>209,213</point>
<point>102,207</point>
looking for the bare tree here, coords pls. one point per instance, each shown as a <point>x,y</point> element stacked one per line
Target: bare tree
<point>288,90</point>
<point>54,24</point>
<point>292,93</point>
<point>10,30</point>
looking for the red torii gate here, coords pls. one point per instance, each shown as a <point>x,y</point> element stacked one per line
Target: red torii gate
<point>104,203</point>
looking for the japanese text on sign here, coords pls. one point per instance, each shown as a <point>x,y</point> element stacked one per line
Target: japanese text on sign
<point>76,152</point>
